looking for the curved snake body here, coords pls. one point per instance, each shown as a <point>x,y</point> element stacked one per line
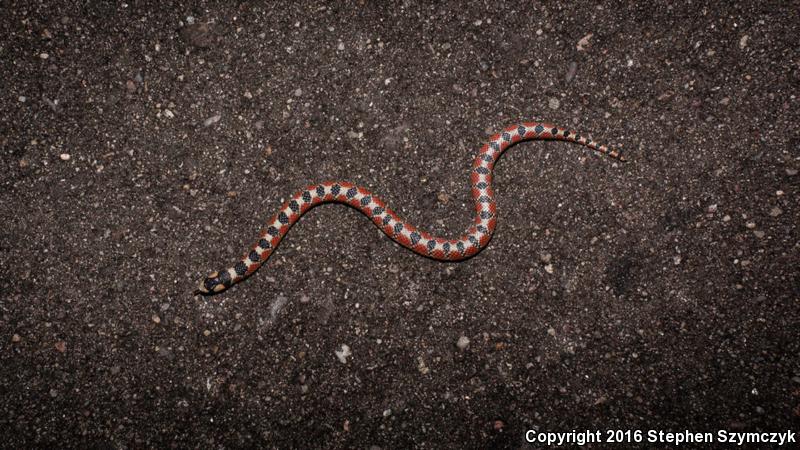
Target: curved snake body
<point>475,238</point>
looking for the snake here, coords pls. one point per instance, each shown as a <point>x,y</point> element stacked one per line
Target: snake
<point>474,239</point>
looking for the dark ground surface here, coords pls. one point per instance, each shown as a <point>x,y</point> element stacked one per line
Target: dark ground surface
<point>670,299</point>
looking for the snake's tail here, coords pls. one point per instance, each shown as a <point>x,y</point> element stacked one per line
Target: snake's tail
<point>562,134</point>
<point>610,152</point>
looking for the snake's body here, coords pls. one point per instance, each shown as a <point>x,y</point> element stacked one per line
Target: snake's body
<point>475,238</point>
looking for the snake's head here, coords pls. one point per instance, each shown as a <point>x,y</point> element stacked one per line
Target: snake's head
<point>212,284</point>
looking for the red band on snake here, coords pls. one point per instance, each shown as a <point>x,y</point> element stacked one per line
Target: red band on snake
<point>474,240</point>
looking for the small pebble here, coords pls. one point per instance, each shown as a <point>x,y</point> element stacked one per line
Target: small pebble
<point>206,332</point>
<point>61,346</point>
<point>156,319</point>
<point>65,156</point>
<point>791,172</point>
<point>775,212</point>
<point>340,47</point>
<point>554,103</point>
<point>758,233</point>
<point>212,120</point>
<point>571,71</point>
<point>298,92</point>
<point>582,44</point>
<point>548,268</point>
<point>750,225</point>
<point>743,41</point>
<point>343,353</point>
<point>422,367</point>
<point>22,98</point>
<point>443,197</point>
<point>551,331</point>
<point>545,257</point>
<point>277,305</point>
<point>44,55</point>
<point>16,338</point>
<point>463,342</point>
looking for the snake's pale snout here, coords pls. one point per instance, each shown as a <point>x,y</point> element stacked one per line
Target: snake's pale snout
<point>212,284</point>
